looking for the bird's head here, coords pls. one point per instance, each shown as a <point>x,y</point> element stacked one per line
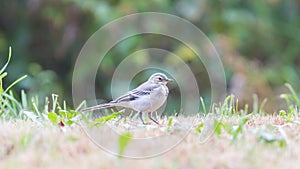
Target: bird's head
<point>159,78</point>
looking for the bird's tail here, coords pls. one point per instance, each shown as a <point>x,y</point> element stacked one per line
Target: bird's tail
<point>97,107</point>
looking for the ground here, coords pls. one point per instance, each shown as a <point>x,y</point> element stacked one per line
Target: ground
<point>265,141</point>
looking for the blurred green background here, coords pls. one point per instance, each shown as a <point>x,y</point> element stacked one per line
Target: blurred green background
<point>258,42</point>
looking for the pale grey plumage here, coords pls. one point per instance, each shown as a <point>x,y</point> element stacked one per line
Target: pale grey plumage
<point>146,98</point>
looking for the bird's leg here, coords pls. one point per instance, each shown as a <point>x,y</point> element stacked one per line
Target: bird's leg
<point>141,117</point>
<point>150,117</point>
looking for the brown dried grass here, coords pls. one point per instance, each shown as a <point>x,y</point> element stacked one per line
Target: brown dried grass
<point>50,147</point>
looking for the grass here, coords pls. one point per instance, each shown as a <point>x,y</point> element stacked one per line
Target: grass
<point>265,142</point>
<point>47,134</point>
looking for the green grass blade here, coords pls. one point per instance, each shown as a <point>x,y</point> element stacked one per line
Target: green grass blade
<point>11,104</point>
<point>294,95</point>
<point>46,107</point>
<point>3,75</point>
<point>54,102</point>
<point>255,104</point>
<point>236,110</point>
<point>24,99</point>
<point>35,104</point>
<point>240,127</point>
<point>203,105</point>
<point>8,60</point>
<point>14,83</point>
<point>81,105</point>
<point>1,85</point>
<point>262,105</point>
<point>246,108</point>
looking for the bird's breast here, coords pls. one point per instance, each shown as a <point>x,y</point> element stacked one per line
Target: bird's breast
<point>151,102</point>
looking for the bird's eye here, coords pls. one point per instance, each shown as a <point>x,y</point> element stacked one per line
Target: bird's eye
<point>160,79</point>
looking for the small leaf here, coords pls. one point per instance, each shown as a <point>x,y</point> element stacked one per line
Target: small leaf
<point>170,123</point>
<point>65,114</point>
<point>107,118</point>
<point>69,122</point>
<point>199,127</point>
<point>282,113</point>
<point>218,127</point>
<point>73,112</point>
<point>124,139</point>
<point>53,117</point>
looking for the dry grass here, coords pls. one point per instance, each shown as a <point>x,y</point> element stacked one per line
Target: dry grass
<point>24,144</point>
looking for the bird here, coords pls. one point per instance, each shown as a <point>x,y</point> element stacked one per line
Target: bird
<point>146,98</point>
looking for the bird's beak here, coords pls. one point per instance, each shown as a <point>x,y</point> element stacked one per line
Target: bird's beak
<point>169,80</point>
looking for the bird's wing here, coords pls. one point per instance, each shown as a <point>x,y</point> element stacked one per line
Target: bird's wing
<point>125,98</point>
<point>142,90</point>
